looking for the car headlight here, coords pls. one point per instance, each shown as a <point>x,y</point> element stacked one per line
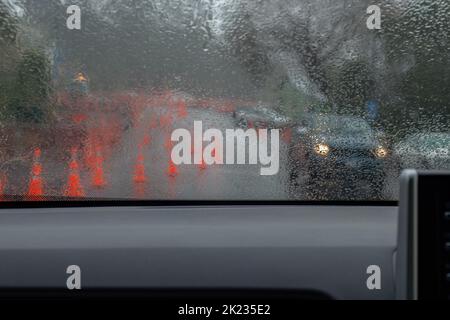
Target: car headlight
<point>381,152</point>
<point>322,149</point>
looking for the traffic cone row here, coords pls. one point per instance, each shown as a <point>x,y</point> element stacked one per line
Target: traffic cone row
<point>172,169</point>
<point>146,141</point>
<point>98,176</point>
<point>35,187</point>
<point>202,165</point>
<point>94,161</point>
<point>139,169</point>
<point>94,158</point>
<point>74,189</point>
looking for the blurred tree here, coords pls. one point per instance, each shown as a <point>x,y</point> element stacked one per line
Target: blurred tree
<point>31,94</point>
<point>417,38</point>
<point>8,26</point>
<point>242,39</point>
<point>8,56</point>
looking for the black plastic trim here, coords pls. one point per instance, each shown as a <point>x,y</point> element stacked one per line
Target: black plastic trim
<point>69,203</point>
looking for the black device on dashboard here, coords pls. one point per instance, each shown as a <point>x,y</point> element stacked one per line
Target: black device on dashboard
<point>423,255</point>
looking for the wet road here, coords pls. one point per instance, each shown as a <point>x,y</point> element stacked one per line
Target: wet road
<point>144,152</point>
<point>136,165</point>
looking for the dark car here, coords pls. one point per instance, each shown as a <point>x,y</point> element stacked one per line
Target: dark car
<point>343,149</point>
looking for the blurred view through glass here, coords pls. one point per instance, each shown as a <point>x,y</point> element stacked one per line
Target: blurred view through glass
<point>89,113</point>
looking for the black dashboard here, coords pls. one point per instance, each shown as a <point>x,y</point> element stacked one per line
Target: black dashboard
<point>326,250</point>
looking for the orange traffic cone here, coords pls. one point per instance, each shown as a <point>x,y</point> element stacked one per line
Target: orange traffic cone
<point>202,164</point>
<point>215,154</point>
<point>74,189</point>
<point>146,140</point>
<point>98,177</point>
<point>35,187</point>
<point>172,170</point>
<point>79,118</point>
<point>139,169</point>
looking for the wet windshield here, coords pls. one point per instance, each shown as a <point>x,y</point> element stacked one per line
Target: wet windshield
<point>137,99</point>
<point>435,140</point>
<point>341,125</point>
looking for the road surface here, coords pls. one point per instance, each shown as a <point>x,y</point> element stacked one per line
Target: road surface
<point>185,182</point>
<point>137,166</point>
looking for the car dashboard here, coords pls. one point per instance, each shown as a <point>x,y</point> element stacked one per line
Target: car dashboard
<point>325,249</point>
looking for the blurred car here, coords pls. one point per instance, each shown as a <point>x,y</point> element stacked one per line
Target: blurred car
<point>329,148</point>
<point>260,117</point>
<point>425,150</point>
